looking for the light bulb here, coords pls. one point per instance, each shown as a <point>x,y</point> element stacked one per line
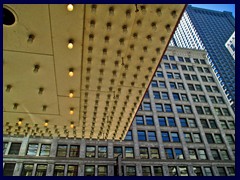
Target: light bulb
<point>20,122</point>
<point>71,94</point>
<point>71,111</point>
<point>70,72</point>
<point>70,45</point>
<point>70,7</point>
<point>72,126</point>
<point>46,123</point>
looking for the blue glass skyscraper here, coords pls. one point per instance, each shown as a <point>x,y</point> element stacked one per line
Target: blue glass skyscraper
<point>210,30</point>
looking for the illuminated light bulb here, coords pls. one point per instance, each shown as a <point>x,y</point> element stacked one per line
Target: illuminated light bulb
<point>70,72</point>
<point>70,44</point>
<point>70,7</point>
<point>46,123</point>
<point>20,122</point>
<point>71,94</point>
<point>72,125</point>
<point>71,111</point>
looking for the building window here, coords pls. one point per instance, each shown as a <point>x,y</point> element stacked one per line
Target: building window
<point>194,78</point>
<point>199,110</point>
<point>171,58</point>
<point>14,149</point>
<point>141,135</point>
<point>210,79</point>
<point>191,87</point>
<point>198,87</point>
<point>203,61</point>
<point>41,170</point>
<point>224,154</point>
<point>62,151</point>
<point>32,149</point>
<point>187,76</point>
<point>177,76</point>
<point>213,124</point>
<point>146,171</point>
<point>202,98</point>
<point>167,66</point>
<point>226,112</point>
<point>170,75</point>
<point>200,69</point>
<point>74,151</point>
<point>188,109</point>
<point>207,111</point>
<point>152,136</point>
<point>180,59</point>
<point>45,149</point>
<point>230,139</point>
<point>117,151</point>
<point>147,106</point>
<point>179,109</point>
<point>213,99</point>
<point>90,151</point>
<point>231,124</point>
<point>143,153</point>
<point>184,68</point>
<point>169,153</point>
<point>172,171</point>
<point>146,95</point>
<point>59,170</point>
<point>231,171</point>
<point>195,98</point>
<point>183,171</point>
<point>8,169</point>
<point>165,137</point>
<point>130,171</point>
<point>208,171</point>
<point>72,170</point>
<point>102,170</point>
<point>172,85</point>
<point>197,171</point>
<point>162,121</point>
<point>175,137</point>
<point>129,136</point>
<point>215,89</point>
<point>220,100</point>
<point>210,138</point>
<point>221,171</point>
<point>180,86</point>
<point>218,138</point>
<point>204,79</point>
<point>192,153</point>
<point>208,88</point>
<point>171,122</point>
<point>165,95</point>
<point>215,154</point>
<point>224,124</point>
<point>89,170</point>
<point>179,153</point>
<point>192,123</point>
<point>206,70</point>
<point>102,151</point>
<point>187,137</point>
<point>156,95</point>
<point>168,108</point>
<point>190,68</point>
<point>154,84</point>
<point>196,61</point>
<point>197,138</point>
<point>158,171</point>
<point>202,154</point>
<point>204,123</point>
<point>139,120</point>
<point>176,97</point>
<point>187,59</point>
<point>165,57</point>
<point>160,74</point>
<point>162,84</point>
<point>27,170</point>
<point>154,153</point>
<point>183,122</point>
<point>129,152</point>
<point>184,97</point>
<point>218,111</point>
<point>159,107</point>
<point>174,66</point>
<point>149,120</point>
<point>5,145</point>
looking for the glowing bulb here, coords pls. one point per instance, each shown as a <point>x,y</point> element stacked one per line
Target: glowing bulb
<point>70,7</point>
<point>46,123</point>
<point>70,45</point>
<point>71,94</point>
<point>72,126</point>
<point>20,122</point>
<point>71,111</point>
<point>70,72</point>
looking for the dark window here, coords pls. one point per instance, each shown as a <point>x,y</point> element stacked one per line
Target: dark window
<point>200,69</point>
<point>221,171</point>
<point>203,61</point>
<point>8,169</point>
<point>207,110</point>
<point>191,87</point>
<point>130,171</point>
<point>171,122</point>
<point>89,170</point>
<point>172,85</point>
<point>213,124</point>
<point>102,170</point>
<point>172,171</point>
<point>208,171</point>
<point>167,66</point>
<point>90,151</point>
<point>169,153</point>
<point>230,139</point>
<point>62,151</point>
<point>209,138</point>
<point>129,136</point>
<point>206,70</point>
<point>165,137</point>
<point>146,95</point>
<point>141,135</point>
<point>187,76</point>
<point>195,98</point>
<point>187,59</point>
<point>129,152</point>
<point>198,87</point>
<point>199,110</point>
<point>183,122</point>
<point>194,78</point>
<point>147,106</point>
<point>154,153</point>
<point>159,107</point>
<point>146,171</point>
<point>156,95</point>
<point>220,100</point>
<point>160,74</point>
<point>204,123</point>
<point>215,89</point>
<point>197,171</point>
<point>190,68</point>
<point>224,154</point>
<point>215,154</point>
<point>179,109</point>
<point>168,107</point>
<point>225,112</point>
<point>204,79</point>
<point>184,68</point>
<point>180,59</point>
<point>143,153</point>
<point>162,84</point>
<point>59,170</point>
<point>158,171</point>
<point>210,79</point>
<point>117,151</point>
<point>154,84</point>
<point>231,124</point>
<point>165,57</point>
<point>162,121</point>
<point>72,170</point>
<point>139,120</point>
<point>202,98</point>
<point>74,151</point>
<point>175,137</point>
<point>174,66</point>
<point>176,97</point>
<point>27,170</point>
<point>171,58</point>
<point>196,61</point>
<point>14,149</point>
<point>213,99</point>
<point>208,88</point>
<point>231,171</point>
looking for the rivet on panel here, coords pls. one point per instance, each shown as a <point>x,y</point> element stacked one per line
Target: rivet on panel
<point>139,22</point>
<point>100,80</point>
<point>110,88</point>
<point>174,14</point>
<point>121,40</point>
<point>168,27</point>
<point>159,11</point>
<point>129,57</point>
<point>90,49</point>
<point>103,61</point>
<point>141,58</point>
<point>158,50</point>
<point>87,86</point>
<point>44,108</point>
<point>9,87</point>
<point>20,121</point>
<point>106,39</point>
<point>145,48</point>
<point>109,25</point>
<point>88,69</point>
<point>91,37</point>
<point>146,77</point>
<point>126,66</point>
<point>143,84</point>
<point>128,13</point>
<point>124,75</point>
<point>46,123</point>
<point>138,68</point>
<point>89,60</point>
<point>150,69</point>
<point>99,88</point>
<point>154,26</point>
<point>114,73</point>
<point>40,90</point>
<point>121,82</point>
<point>111,11</point>
<point>119,90</point>
<point>94,8</point>
<point>101,71</point>
<point>15,106</point>
<point>135,76</point>
<point>87,78</point>
<point>132,83</point>
<point>132,47</point>
<point>31,37</point>
<point>112,81</point>
<point>143,9</point>
<point>135,35</point>
<point>92,23</point>
<point>119,52</point>
<point>153,60</point>
<point>149,38</point>
<point>104,51</point>
<point>36,68</point>
<point>162,39</point>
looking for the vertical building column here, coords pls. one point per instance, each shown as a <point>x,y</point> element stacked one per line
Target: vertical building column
<point>165,170</point>
<point>138,169</point>
<point>50,169</point>
<point>82,148</point>
<point>54,145</point>
<point>110,149</point>
<point>81,169</point>
<point>18,169</point>
<point>135,140</point>
<point>110,170</point>
<point>190,170</point>
<point>24,146</point>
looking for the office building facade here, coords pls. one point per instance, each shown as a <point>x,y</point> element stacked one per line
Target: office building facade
<point>230,45</point>
<point>207,29</point>
<point>184,127</point>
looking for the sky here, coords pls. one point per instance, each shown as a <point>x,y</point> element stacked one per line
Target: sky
<point>217,7</point>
